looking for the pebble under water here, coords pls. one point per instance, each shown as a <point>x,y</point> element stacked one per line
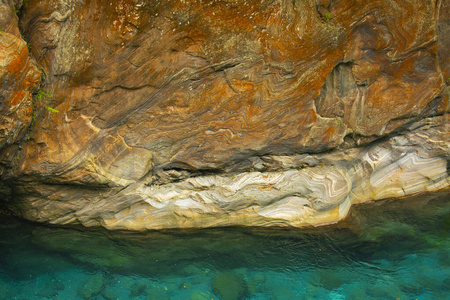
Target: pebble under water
<point>397,249</point>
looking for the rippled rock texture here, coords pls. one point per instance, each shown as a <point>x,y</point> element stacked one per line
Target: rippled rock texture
<point>158,114</point>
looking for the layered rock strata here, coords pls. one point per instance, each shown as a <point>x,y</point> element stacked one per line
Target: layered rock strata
<point>170,113</point>
<point>299,190</point>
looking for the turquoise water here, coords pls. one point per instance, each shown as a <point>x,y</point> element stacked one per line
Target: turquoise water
<point>390,250</point>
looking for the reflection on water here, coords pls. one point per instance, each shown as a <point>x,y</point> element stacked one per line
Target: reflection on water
<point>400,249</point>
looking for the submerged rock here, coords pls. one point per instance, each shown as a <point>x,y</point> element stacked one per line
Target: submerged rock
<point>329,279</point>
<point>256,282</point>
<point>50,289</point>
<point>7,291</point>
<point>229,286</point>
<point>201,295</point>
<point>93,286</point>
<point>109,294</point>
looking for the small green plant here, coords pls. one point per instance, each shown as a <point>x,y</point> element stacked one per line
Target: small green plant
<point>28,44</point>
<point>1,31</point>
<point>51,109</point>
<point>327,18</point>
<point>41,96</point>
<point>33,117</point>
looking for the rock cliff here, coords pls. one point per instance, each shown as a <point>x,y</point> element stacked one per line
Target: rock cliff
<point>179,113</point>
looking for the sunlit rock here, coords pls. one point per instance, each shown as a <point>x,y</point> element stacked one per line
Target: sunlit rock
<point>18,77</point>
<point>176,114</point>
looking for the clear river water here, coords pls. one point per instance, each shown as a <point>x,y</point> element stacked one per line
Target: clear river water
<point>397,249</point>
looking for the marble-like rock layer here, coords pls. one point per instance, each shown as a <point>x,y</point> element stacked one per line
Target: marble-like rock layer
<point>179,113</point>
<point>301,190</point>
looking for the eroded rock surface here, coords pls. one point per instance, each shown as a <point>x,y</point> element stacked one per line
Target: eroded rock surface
<point>212,113</point>
<point>18,78</point>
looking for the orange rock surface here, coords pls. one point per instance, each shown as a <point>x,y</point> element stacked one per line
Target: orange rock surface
<point>153,92</point>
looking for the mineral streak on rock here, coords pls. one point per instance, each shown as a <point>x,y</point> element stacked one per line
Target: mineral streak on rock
<point>179,113</point>
<point>18,77</point>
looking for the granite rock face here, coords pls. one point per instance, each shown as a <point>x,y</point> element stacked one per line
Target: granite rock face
<point>162,114</point>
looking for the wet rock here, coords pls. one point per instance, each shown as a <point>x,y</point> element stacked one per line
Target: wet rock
<point>357,292</point>
<point>385,290</point>
<point>50,289</point>
<point>93,286</point>
<point>201,295</point>
<point>256,283</point>
<point>156,292</point>
<point>109,294</point>
<point>281,291</point>
<point>138,289</point>
<point>446,284</point>
<point>7,291</point>
<point>229,286</point>
<point>328,279</point>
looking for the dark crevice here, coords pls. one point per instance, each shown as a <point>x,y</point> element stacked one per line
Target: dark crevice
<point>169,174</point>
<point>448,166</point>
<point>20,10</point>
<point>356,140</point>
